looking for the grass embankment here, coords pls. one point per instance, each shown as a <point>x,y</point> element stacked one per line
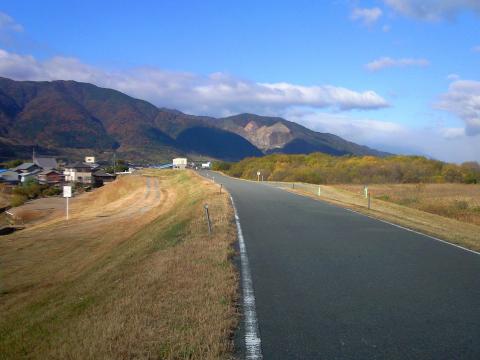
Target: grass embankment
<point>5,196</point>
<point>449,229</point>
<point>456,201</point>
<point>133,274</point>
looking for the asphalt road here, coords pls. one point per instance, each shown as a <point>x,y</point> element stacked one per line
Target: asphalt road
<point>333,284</point>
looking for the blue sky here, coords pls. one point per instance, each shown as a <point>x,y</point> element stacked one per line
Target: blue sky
<point>399,75</point>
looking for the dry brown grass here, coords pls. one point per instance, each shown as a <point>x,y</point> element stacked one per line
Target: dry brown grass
<point>456,201</point>
<point>5,195</point>
<point>133,274</point>
<point>452,230</point>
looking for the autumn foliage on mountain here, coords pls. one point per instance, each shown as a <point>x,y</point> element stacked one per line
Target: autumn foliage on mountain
<point>318,168</point>
<point>68,117</point>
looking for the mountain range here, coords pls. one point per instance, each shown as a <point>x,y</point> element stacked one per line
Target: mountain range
<point>73,119</point>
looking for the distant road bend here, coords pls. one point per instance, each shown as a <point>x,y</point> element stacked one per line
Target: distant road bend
<point>333,284</point>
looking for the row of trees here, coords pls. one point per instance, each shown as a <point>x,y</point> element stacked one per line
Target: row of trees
<point>318,168</point>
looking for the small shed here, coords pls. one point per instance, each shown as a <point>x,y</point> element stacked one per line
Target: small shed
<point>179,163</point>
<point>50,177</point>
<point>101,177</point>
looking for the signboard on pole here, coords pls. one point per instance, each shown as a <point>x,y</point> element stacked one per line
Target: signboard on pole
<point>67,191</point>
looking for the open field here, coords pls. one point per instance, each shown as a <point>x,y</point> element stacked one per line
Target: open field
<point>458,232</point>
<point>456,201</point>
<point>133,274</point>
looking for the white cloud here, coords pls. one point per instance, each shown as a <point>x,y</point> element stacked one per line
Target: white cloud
<point>453,133</point>
<point>8,24</point>
<point>447,144</point>
<point>367,16</point>
<point>362,130</point>
<point>433,9</point>
<point>453,77</point>
<point>463,100</point>
<point>215,94</point>
<point>387,62</point>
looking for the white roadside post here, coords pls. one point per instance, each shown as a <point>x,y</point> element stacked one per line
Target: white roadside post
<point>258,175</point>
<point>366,191</point>
<point>67,193</point>
<point>319,191</point>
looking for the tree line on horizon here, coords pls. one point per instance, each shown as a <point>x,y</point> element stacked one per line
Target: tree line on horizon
<point>319,168</point>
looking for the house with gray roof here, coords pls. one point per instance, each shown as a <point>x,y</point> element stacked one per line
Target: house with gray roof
<point>10,177</point>
<point>25,167</point>
<point>45,163</point>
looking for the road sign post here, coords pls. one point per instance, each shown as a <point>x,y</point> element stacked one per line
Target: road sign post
<point>67,194</point>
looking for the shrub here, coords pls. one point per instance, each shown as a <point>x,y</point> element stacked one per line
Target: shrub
<point>118,168</point>
<point>51,191</point>
<point>408,201</point>
<point>221,165</point>
<point>383,197</point>
<point>18,200</point>
<point>460,204</point>
<point>31,190</point>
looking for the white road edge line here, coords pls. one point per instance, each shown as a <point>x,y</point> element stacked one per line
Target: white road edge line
<point>252,337</point>
<point>414,231</point>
